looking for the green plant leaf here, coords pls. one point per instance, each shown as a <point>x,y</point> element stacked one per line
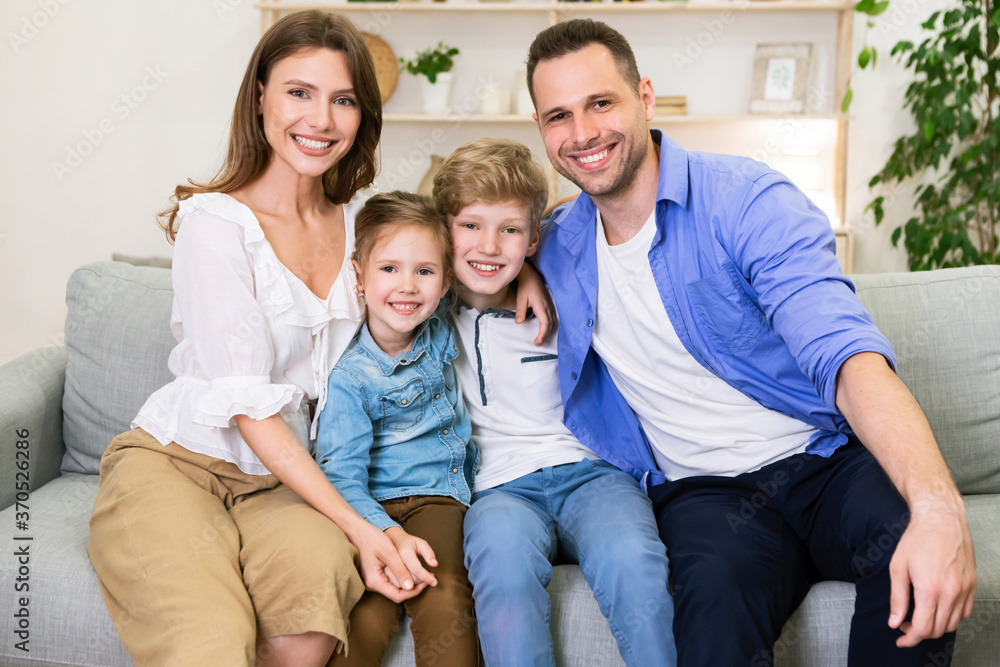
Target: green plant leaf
<point>953,156</point>
<point>879,7</point>
<point>865,6</point>
<point>845,104</point>
<point>876,208</point>
<point>864,57</point>
<point>431,61</point>
<point>901,46</point>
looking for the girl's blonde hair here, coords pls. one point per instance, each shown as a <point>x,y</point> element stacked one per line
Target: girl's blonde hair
<point>249,153</point>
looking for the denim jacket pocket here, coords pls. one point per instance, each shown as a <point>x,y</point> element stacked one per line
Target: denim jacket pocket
<point>403,408</point>
<point>725,312</point>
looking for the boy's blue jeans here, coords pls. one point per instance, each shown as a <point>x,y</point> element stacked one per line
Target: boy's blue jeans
<point>591,513</point>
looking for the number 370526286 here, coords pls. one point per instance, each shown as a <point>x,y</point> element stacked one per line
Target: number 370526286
<point>22,477</point>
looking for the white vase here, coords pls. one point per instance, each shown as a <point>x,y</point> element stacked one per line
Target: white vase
<point>492,100</point>
<point>436,95</point>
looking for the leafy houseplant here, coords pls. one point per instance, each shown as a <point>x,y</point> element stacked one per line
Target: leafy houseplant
<point>955,150</point>
<point>431,62</point>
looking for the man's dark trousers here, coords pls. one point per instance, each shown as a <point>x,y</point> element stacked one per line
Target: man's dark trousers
<point>744,551</point>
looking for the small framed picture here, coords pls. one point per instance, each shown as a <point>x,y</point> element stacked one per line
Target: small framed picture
<point>780,78</point>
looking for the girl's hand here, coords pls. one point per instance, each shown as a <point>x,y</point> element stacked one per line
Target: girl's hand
<point>411,549</point>
<point>531,293</point>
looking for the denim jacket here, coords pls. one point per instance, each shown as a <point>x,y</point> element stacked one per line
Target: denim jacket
<point>397,426</point>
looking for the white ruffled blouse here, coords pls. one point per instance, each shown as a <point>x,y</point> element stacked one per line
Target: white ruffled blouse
<point>252,338</point>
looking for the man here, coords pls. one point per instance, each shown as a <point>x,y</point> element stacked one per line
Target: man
<point>711,347</point>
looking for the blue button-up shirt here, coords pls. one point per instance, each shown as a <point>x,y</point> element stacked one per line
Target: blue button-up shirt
<point>746,267</point>
<point>397,426</point>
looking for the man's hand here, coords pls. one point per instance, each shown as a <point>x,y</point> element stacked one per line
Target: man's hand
<point>935,557</point>
<point>382,565</point>
<point>934,554</point>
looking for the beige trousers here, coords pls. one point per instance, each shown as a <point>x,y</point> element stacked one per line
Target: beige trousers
<point>197,559</point>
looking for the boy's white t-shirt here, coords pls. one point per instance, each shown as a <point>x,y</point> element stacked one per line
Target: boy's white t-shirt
<point>511,390</point>
<point>696,423</point>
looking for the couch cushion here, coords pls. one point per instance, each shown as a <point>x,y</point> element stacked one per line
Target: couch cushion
<point>978,636</point>
<point>580,632</point>
<point>117,343</point>
<point>944,326</point>
<point>817,633</point>
<point>69,623</point>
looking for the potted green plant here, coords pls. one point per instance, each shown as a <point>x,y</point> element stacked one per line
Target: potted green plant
<point>954,152</point>
<point>433,66</point>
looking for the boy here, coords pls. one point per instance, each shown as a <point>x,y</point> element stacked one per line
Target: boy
<point>538,491</point>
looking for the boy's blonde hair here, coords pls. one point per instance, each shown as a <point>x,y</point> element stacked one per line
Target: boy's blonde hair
<point>384,211</point>
<point>494,171</point>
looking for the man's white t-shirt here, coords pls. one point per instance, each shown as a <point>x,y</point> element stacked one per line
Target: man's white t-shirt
<point>696,423</point>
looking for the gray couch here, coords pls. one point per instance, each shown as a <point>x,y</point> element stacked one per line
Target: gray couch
<point>69,402</point>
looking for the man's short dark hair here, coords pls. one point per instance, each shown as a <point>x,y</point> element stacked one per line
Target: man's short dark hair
<point>571,36</point>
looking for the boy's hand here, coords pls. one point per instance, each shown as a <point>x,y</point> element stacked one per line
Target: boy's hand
<point>382,567</point>
<point>531,293</point>
<point>411,549</point>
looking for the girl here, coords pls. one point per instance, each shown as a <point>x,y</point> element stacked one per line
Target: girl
<point>397,446</point>
<point>214,531</point>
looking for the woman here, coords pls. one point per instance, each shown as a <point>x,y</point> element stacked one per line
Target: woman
<point>215,535</point>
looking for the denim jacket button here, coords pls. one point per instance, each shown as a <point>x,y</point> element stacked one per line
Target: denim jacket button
<point>437,396</point>
<point>403,401</point>
<point>446,431</point>
<point>455,470</point>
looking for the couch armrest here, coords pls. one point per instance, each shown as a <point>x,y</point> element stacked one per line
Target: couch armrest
<point>31,392</point>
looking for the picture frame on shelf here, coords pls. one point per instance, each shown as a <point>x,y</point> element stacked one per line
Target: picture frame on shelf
<point>780,78</point>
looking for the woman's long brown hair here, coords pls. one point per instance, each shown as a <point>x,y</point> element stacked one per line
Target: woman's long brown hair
<point>248,153</point>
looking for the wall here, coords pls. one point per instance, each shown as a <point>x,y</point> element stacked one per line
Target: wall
<point>107,105</point>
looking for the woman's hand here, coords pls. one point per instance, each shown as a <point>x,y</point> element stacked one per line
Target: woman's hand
<point>281,452</point>
<point>532,293</point>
